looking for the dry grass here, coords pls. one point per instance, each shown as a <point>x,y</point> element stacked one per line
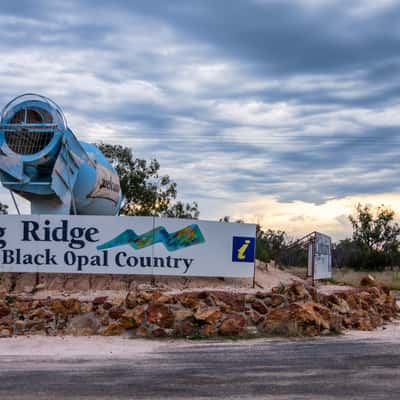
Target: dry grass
<point>350,277</point>
<point>353,278</point>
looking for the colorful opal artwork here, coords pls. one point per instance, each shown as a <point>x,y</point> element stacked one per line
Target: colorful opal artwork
<point>186,237</point>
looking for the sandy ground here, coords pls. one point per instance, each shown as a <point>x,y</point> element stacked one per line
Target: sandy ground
<point>71,347</point>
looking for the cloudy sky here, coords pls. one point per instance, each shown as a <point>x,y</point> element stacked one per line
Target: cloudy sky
<point>285,113</point>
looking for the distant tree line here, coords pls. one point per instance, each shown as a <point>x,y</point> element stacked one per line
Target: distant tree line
<point>373,246</point>
<point>375,242</point>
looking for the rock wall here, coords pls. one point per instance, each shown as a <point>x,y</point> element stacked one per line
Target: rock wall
<point>294,310</point>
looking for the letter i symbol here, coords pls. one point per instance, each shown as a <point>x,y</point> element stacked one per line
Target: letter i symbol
<point>242,250</point>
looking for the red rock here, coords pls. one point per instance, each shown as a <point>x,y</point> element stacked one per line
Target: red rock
<point>4,309</point>
<point>233,325</point>
<point>208,314</point>
<point>233,301</point>
<point>100,300</point>
<point>186,328</point>
<point>160,315</point>
<point>107,306</point>
<point>260,307</point>
<point>116,312</point>
<point>114,329</point>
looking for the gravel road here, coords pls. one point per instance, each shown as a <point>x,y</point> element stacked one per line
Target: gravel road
<point>358,365</point>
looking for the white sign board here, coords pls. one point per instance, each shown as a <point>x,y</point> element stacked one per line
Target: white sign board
<point>323,257</point>
<point>126,245</point>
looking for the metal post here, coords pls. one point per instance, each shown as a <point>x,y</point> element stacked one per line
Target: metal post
<point>254,274</point>
<point>313,261</point>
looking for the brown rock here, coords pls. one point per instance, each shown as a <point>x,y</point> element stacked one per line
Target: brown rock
<point>86,307</point>
<point>232,301</point>
<point>22,306</point>
<point>159,333</point>
<point>141,332</point>
<point>277,300</point>
<point>186,328</point>
<point>250,298</point>
<point>35,326</point>
<point>352,301</point>
<point>182,314</point>
<point>4,309</point>
<point>133,318</point>
<point>131,299</point>
<point>233,325</point>
<point>116,312</point>
<point>208,314</point>
<point>83,325</point>
<point>5,332</point>
<point>189,300</point>
<point>160,315</point>
<point>19,326</point>
<point>114,329</point>
<point>337,322</point>
<point>208,330</point>
<point>145,297</point>
<point>342,307</point>
<point>25,282</point>
<point>297,292</point>
<point>368,280</point>
<point>260,307</point>
<point>295,320</point>
<point>66,307</point>
<point>363,324</point>
<point>165,299</point>
<point>100,300</point>
<point>42,314</point>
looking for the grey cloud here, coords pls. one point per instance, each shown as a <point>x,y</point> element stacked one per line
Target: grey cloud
<point>319,62</point>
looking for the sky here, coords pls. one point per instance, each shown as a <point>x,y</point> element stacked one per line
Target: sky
<point>284,113</point>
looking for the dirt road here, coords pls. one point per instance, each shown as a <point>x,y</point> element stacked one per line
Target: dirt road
<point>354,366</point>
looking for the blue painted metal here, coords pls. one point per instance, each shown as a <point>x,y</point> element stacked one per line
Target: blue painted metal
<point>43,161</point>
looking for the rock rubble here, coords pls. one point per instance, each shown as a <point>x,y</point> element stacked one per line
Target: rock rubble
<point>293,310</point>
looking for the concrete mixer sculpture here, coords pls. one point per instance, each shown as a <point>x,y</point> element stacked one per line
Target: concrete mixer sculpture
<point>43,161</point>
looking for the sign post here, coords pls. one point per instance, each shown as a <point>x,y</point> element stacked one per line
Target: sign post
<point>319,256</point>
